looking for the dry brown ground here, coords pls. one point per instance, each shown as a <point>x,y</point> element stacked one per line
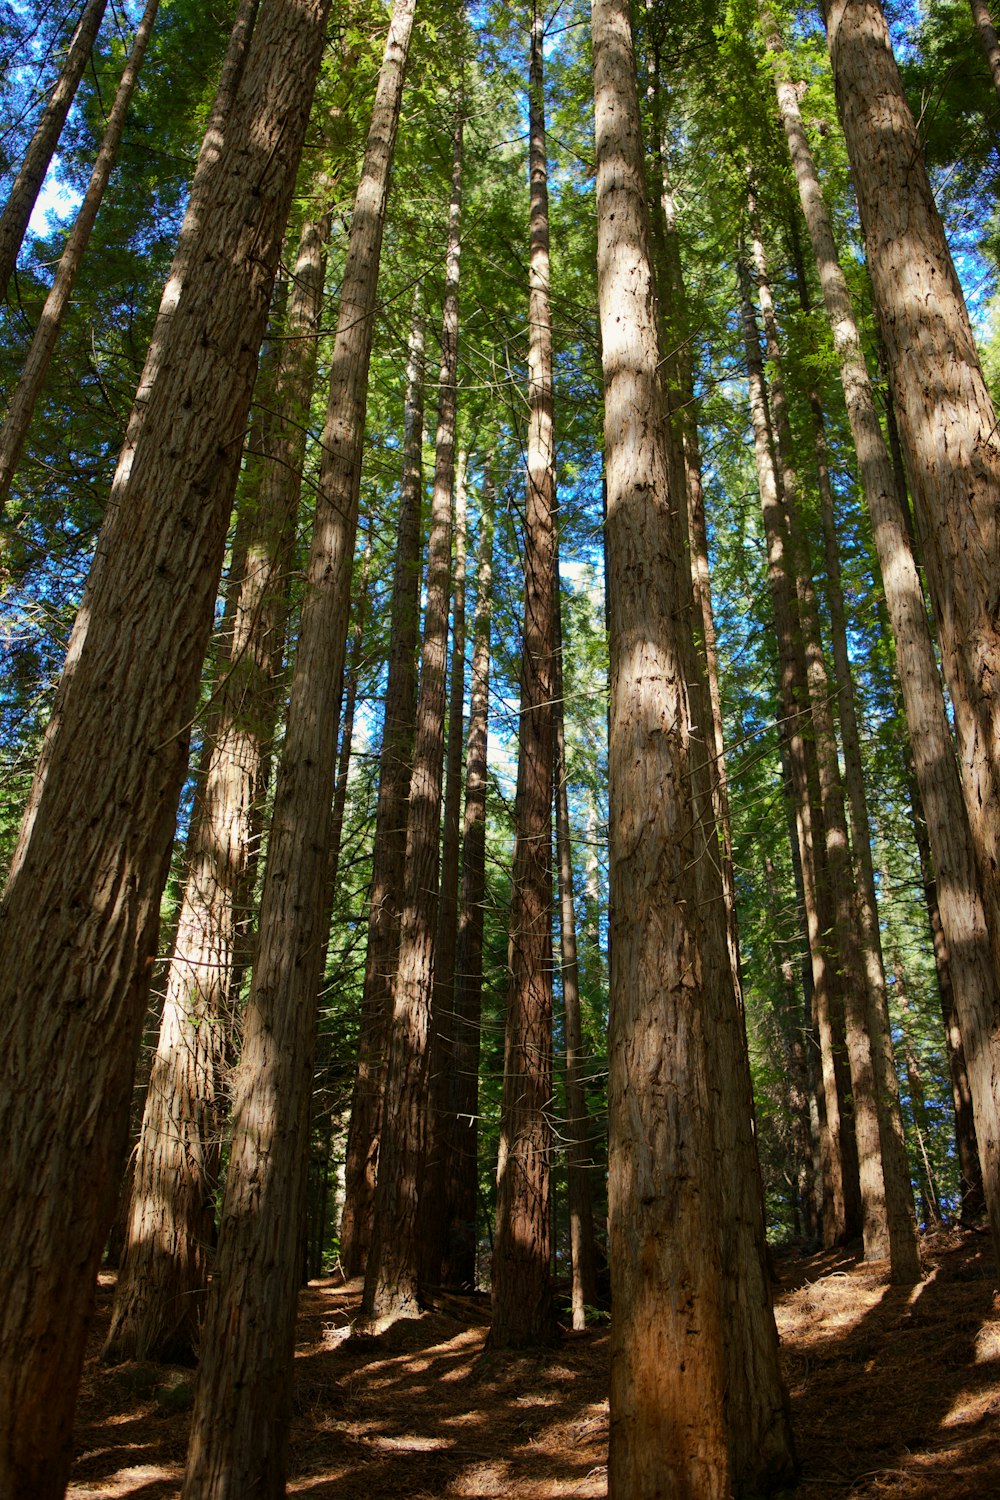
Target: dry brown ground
<point>895,1394</point>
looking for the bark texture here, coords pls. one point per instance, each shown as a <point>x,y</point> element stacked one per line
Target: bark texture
<point>579,1155</point>
<point>521,1289</point>
<point>965,917</point>
<point>164,1275</point>
<point>392,1275</point>
<point>23,195</point>
<point>239,1423</point>
<point>434,1231</point>
<point>946,419</point>
<point>987,33</point>
<point>81,912</point>
<point>461,1153</point>
<point>668,1372</point>
<point>389,853</point>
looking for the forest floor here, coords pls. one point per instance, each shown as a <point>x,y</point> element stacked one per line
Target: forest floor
<point>895,1395</point>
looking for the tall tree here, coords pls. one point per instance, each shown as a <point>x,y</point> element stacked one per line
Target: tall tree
<point>81,913</point>
<point>964,919</point>
<point>392,1275</point>
<point>521,1292</point>
<point>239,1423</point>
<point>461,1151</point>
<point>24,193</point>
<point>442,1061</point>
<point>987,33</point>
<point>159,1297</point>
<point>583,1257</point>
<point>389,854</point>
<point>946,418</point>
<point>670,980</point>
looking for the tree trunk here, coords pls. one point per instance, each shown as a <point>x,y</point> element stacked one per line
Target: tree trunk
<point>461,1152</point>
<point>389,854</point>
<point>965,922</point>
<point>240,1417</point>
<point>393,1271</point>
<point>189,243</point>
<point>801,757</point>
<point>160,1292</point>
<point>521,1283</point>
<point>28,182</point>
<point>81,914</point>
<point>579,1155</point>
<point>987,34</point>
<point>434,1230</point>
<point>29,385</point>
<point>946,419</point>
<point>346,713</point>
<point>668,1350</point>
<point>904,1249</point>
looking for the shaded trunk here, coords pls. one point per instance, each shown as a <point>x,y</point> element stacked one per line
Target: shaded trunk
<point>27,184</point>
<point>521,1282</point>
<point>434,1230</point>
<point>161,1286</point>
<point>239,1423</point>
<point>29,385</point>
<point>392,1273</point>
<point>796,735</point>
<point>965,922</point>
<point>345,713</point>
<point>579,1156</point>
<point>389,853</point>
<point>81,913</point>
<point>461,1150</point>
<point>948,428</point>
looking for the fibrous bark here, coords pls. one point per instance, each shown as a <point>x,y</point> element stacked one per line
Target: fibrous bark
<point>239,1423</point>
<point>389,853</point>
<point>461,1154</point>
<point>392,1274</point>
<point>670,981</point>
<point>521,1288</point>
<point>434,1232</point>
<point>966,918</point>
<point>164,1275</point>
<point>81,913</point>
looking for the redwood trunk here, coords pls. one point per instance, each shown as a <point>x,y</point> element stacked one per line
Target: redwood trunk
<point>389,855</point>
<point>461,1154</point>
<point>81,913</point>
<point>521,1283</point>
<point>434,1232</point>
<point>987,34</point>
<point>579,1155</point>
<point>392,1275</point>
<point>668,1361</point>
<point>965,922</point>
<point>161,1285</point>
<point>242,1399</point>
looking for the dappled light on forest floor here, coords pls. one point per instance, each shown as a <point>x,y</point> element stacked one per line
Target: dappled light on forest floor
<point>895,1394</point>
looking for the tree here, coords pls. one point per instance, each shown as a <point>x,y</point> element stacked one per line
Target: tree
<point>669,976</point>
<point>81,911</point>
<point>239,1423</point>
<point>522,1300</point>
<point>392,1275</point>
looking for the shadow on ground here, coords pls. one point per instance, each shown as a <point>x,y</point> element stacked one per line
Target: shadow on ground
<point>895,1396</point>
